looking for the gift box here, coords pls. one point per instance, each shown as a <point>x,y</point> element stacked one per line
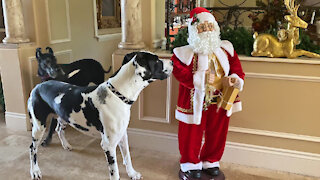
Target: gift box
<point>229,95</point>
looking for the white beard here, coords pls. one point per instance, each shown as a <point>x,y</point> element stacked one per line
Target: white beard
<point>205,42</point>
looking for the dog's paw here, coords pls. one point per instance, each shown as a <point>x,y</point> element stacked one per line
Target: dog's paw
<point>45,143</point>
<point>67,147</point>
<point>135,176</point>
<point>36,175</point>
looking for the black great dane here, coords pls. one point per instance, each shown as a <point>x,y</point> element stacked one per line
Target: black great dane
<point>81,73</point>
<point>100,111</point>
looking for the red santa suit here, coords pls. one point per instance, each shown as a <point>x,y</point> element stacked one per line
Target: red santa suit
<point>190,70</point>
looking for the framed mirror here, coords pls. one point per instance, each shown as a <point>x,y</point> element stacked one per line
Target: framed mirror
<point>108,14</point>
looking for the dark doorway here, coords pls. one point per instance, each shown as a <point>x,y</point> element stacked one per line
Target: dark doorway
<point>2,30</point>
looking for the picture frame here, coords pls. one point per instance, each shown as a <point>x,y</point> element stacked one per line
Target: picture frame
<point>108,14</point>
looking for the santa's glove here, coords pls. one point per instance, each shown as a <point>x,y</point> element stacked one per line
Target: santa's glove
<point>236,81</point>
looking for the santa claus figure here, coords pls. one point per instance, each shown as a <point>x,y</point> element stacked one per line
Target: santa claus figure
<point>203,68</point>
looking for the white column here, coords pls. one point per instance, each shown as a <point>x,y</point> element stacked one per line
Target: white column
<point>204,3</point>
<point>131,25</point>
<point>198,3</point>
<point>14,22</point>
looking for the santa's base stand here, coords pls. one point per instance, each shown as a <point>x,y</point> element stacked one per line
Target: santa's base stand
<point>220,176</point>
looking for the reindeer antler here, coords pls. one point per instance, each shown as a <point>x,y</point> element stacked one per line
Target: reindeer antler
<point>291,7</point>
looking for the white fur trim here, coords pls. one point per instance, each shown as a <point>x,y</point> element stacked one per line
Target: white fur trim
<point>223,59</point>
<point>227,45</point>
<point>186,118</point>
<point>236,107</point>
<point>207,164</point>
<point>205,16</point>
<point>190,166</point>
<point>199,80</point>
<point>240,81</point>
<point>184,54</point>
<point>198,105</point>
<point>199,85</point>
<point>203,62</point>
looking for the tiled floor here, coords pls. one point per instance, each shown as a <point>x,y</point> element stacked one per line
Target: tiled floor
<point>87,161</point>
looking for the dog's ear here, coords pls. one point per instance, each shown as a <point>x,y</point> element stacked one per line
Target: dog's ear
<point>128,57</point>
<point>49,50</point>
<point>38,53</point>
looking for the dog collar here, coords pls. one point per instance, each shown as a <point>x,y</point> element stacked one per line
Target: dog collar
<point>45,78</point>
<point>120,96</point>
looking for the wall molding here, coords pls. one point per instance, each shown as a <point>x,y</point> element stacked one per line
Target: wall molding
<point>68,39</point>
<point>15,115</point>
<point>168,106</point>
<point>250,155</point>
<point>283,77</point>
<point>157,43</point>
<point>16,121</point>
<point>282,135</point>
<point>300,60</point>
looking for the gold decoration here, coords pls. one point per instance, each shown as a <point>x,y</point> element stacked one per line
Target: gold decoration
<point>228,98</point>
<point>195,63</point>
<point>214,76</point>
<point>285,44</point>
<point>184,110</point>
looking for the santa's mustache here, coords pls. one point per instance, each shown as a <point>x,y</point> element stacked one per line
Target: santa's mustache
<point>205,42</point>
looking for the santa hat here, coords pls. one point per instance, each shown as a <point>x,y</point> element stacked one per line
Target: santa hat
<point>200,14</point>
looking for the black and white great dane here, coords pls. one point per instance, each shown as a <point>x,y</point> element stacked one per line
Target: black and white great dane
<point>83,72</point>
<point>100,111</point>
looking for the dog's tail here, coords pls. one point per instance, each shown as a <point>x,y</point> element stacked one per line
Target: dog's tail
<point>108,70</point>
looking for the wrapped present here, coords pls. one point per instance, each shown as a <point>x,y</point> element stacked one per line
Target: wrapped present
<point>229,95</point>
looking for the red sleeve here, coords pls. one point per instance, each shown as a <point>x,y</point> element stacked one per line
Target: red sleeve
<point>182,72</point>
<point>235,65</point>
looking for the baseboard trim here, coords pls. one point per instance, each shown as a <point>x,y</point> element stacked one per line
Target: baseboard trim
<point>16,121</point>
<point>251,155</point>
<point>258,132</point>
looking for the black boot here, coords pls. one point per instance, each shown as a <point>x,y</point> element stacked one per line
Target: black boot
<point>215,173</point>
<point>193,175</point>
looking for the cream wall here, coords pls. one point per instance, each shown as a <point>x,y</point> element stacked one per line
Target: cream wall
<point>160,19</point>
<point>148,23</point>
<point>153,22</point>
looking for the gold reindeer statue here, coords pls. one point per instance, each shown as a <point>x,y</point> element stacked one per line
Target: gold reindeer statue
<point>285,44</point>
